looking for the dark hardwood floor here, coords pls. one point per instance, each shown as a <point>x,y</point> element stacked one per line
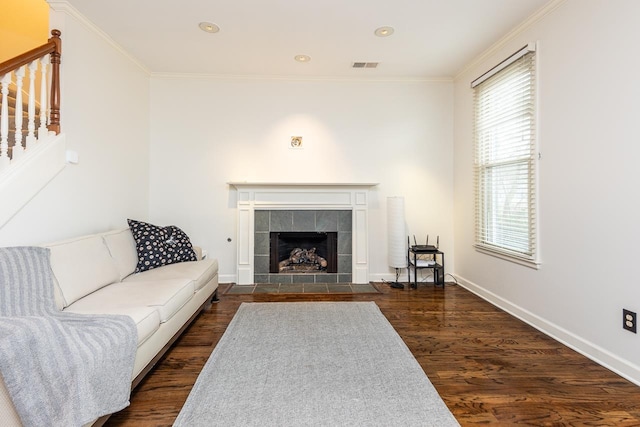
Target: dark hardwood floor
<point>489,367</point>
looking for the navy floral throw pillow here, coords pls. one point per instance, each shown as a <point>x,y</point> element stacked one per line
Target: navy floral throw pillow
<point>158,246</point>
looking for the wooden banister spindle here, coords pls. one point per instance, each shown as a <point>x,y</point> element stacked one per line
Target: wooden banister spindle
<point>18,149</point>
<point>5,81</point>
<point>31,120</point>
<point>43,132</point>
<point>55,82</point>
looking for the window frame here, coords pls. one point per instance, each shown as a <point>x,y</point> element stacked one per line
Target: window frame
<point>494,152</point>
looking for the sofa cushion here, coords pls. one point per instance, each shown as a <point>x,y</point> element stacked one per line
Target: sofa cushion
<point>201,272</point>
<point>158,246</point>
<point>166,296</point>
<point>81,266</point>
<point>147,319</point>
<point>122,248</point>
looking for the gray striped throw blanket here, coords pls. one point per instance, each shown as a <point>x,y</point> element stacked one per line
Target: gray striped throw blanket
<point>60,369</point>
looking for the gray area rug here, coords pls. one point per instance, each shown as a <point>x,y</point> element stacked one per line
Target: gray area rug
<point>312,364</point>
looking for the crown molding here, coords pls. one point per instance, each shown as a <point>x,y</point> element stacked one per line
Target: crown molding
<point>66,8</point>
<point>537,16</point>
<point>204,76</point>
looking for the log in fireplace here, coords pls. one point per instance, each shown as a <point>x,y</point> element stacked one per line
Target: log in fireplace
<point>303,252</point>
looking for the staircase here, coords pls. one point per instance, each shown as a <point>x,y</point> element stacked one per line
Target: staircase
<point>30,157</point>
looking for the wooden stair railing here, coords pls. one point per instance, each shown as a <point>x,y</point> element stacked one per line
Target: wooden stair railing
<point>12,74</point>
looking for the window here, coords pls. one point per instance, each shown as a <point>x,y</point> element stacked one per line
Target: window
<point>505,159</point>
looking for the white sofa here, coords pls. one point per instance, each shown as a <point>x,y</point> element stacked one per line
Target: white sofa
<point>95,275</point>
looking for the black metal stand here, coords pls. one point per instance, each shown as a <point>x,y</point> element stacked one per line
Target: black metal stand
<point>437,267</point>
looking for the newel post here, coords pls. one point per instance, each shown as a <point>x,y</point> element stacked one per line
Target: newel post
<point>54,117</point>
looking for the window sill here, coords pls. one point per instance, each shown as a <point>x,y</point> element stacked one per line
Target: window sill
<point>508,257</point>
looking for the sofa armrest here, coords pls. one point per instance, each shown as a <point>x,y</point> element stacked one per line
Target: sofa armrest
<point>198,251</point>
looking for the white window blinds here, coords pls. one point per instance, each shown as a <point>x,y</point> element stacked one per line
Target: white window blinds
<point>505,198</point>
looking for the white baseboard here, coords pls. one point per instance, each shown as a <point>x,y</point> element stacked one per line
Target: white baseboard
<point>385,277</point>
<point>603,357</point>
<point>227,278</point>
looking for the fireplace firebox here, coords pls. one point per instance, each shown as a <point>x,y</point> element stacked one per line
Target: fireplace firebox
<point>303,252</point>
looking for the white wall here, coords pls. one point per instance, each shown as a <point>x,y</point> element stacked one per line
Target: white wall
<point>588,196</point>
<point>207,132</point>
<point>105,115</point>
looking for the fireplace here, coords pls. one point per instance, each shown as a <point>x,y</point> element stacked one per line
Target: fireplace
<point>303,252</point>
<point>263,207</point>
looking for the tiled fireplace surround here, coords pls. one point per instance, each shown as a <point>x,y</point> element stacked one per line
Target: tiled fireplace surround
<point>305,201</point>
<point>295,220</point>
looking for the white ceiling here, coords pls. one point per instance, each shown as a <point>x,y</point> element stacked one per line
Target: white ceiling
<point>432,39</point>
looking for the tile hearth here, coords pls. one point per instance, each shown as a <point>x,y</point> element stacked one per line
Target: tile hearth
<point>301,288</point>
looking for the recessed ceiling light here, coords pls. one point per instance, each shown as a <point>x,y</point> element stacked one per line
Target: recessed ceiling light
<point>383,31</point>
<point>209,27</point>
<point>302,58</point>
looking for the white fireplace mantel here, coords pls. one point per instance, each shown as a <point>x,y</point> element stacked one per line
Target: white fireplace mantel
<point>254,196</point>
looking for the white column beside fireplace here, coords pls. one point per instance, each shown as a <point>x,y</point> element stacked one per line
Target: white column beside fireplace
<point>254,196</point>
